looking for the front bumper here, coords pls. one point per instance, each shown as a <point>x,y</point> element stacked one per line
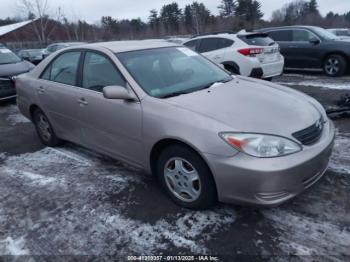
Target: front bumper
<point>271,181</point>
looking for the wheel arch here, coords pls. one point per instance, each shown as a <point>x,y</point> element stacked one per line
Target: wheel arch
<point>344,55</point>
<point>32,109</point>
<point>234,65</point>
<point>166,142</point>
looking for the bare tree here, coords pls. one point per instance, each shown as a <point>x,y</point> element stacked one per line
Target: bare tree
<point>39,10</point>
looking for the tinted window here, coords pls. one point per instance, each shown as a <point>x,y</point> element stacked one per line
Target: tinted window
<point>64,68</point>
<point>256,39</point>
<point>208,44</point>
<point>302,36</point>
<point>192,44</point>
<point>281,35</point>
<point>211,44</point>
<point>100,72</point>
<point>223,43</point>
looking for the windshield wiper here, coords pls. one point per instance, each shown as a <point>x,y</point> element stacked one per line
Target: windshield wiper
<point>213,83</point>
<point>179,93</point>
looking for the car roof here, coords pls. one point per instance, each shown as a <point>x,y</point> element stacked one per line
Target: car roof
<point>220,35</point>
<point>127,46</point>
<point>287,27</point>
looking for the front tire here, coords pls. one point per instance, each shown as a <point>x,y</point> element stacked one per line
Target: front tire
<point>44,129</point>
<point>186,178</point>
<point>335,65</point>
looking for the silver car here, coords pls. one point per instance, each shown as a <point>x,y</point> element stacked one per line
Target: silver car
<point>206,135</point>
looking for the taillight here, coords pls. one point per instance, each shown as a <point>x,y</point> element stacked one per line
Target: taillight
<point>251,51</point>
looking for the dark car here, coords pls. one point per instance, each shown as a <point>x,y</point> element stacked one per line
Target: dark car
<point>10,66</point>
<point>312,47</point>
<point>34,56</point>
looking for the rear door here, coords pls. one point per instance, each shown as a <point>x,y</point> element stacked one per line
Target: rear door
<point>214,48</point>
<point>57,93</point>
<point>110,126</point>
<point>284,38</point>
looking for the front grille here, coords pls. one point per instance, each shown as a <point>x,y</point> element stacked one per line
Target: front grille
<point>6,83</point>
<point>310,135</point>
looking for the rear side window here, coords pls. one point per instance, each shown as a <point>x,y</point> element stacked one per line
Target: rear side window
<point>63,69</point>
<point>100,72</point>
<point>257,39</point>
<point>281,35</point>
<point>192,44</point>
<point>211,44</point>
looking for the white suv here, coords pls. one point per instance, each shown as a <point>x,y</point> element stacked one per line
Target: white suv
<point>248,54</point>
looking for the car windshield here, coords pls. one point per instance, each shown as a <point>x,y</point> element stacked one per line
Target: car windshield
<point>166,72</point>
<point>323,33</point>
<point>7,57</point>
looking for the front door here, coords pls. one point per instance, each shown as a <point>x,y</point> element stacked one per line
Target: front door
<point>113,127</point>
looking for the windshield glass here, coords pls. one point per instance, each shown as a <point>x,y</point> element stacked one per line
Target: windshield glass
<point>7,57</point>
<point>323,33</point>
<point>165,71</point>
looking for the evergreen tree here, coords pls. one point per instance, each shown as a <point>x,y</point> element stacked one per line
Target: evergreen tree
<point>227,7</point>
<point>171,15</point>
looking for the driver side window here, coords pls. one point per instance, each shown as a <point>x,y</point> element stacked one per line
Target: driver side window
<point>302,36</point>
<point>99,72</point>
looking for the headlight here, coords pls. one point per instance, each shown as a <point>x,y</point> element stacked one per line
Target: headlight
<point>263,146</point>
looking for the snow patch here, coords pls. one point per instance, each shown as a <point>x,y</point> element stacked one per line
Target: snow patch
<point>189,231</point>
<point>13,247</point>
<point>315,83</point>
<point>303,235</point>
<point>36,179</point>
<point>340,160</point>
<point>14,117</point>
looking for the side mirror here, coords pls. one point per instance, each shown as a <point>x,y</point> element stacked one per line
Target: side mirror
<point>314,41</point>
<point>117,92</point>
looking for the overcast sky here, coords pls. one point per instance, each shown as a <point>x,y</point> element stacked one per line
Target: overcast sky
<point>92,10</point>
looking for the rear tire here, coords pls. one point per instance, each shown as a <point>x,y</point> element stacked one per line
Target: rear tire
<point>186,178</point>
<point>44,129</point>
<point>335,65</point>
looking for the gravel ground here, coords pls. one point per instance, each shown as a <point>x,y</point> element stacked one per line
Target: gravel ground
<point>71,201</point>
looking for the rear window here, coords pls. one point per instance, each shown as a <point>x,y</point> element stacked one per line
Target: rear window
<point>257,39</point>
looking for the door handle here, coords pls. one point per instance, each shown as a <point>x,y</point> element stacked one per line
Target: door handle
<point>40,90</point>
<point>82,102</point>
<point>216,57</point>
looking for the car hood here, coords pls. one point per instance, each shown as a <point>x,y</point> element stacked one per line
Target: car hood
<point>246,105</point>
<point>15,69</point>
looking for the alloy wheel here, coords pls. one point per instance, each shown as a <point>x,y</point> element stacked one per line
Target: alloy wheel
<point>182,179</point>
<point>332,66</point>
